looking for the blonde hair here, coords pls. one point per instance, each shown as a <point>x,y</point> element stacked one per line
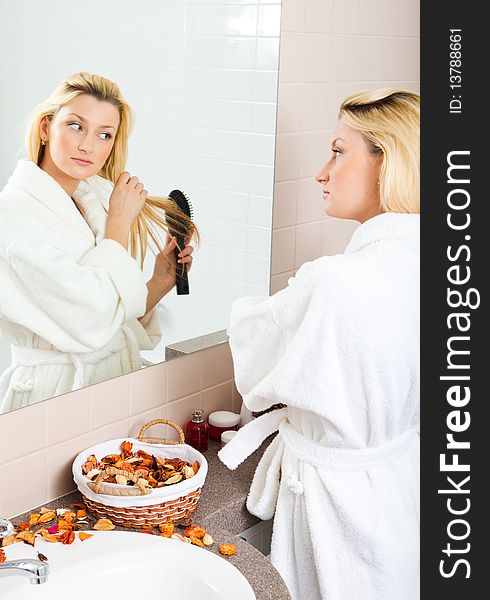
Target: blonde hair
<point>158,211</point>
<point>389,121</point>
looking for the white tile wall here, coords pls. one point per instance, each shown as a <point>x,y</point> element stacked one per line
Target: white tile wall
<point>201,76</point>
<point>329,49</point>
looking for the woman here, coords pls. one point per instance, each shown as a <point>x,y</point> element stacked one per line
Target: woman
<point>74,304</point>
<point>340,348</point>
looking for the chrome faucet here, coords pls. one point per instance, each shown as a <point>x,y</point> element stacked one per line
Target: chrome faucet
<point>37,570</point>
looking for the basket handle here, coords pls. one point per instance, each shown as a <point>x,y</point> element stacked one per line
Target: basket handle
<point>152,440</point>
<point>99,487</point>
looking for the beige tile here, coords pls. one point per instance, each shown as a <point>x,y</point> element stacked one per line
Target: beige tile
<point>288,107</point>
<point>287,156</point>
<point>345,16</point>
<point>280,281</point>
<point>317,52</point>
<point>293,15</point>
<point>308,243</point>
<point>314,106</point>
<point>20,494</point>
<point>180,411</point>
<point>310,201</point>
<point>158,430</point>
<point>283,243</point>
<point>112,431</point>
<point>369,58</point>
<point>336,234</point>
<point>290,63</point>
<point>342,67</point>
<point>22,432</point>
<point>218,398</point>
<point>318,16</point>
<point>400,59</point>
<point>60,459</point>
<point>401,18</point>
<point>184,376</point>
<point>285,198</point>
<point>371,16</point>
<point>314,149</point>
<point>109,401</point>
<point>148,388</point>
<point>67,416</point>
<point>217,365</point>
<point>236,399</point>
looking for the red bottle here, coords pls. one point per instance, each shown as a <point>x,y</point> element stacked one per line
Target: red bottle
<point>196,431</point>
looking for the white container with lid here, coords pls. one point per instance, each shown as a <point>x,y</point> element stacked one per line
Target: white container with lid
<point>227,435</point>
<point>222,420</point>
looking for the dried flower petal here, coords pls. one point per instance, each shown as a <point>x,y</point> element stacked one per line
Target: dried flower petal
<point>27,537</point>
<point>47,516</point>
<point>196,541</point>
<point>166,529</point>
<point>104,525</point>
<point>227,549</point>
<point>53,529</point>
<point>181,538</point>
<point>83,535</point>
<point>34,518</point>
<point>126,446</point>
<point>45,509</point>
<point>22,526</point>
<point>67,537</point>
<point>81,513</point>
<point>48,537</point>
<point>2,556</point>
<point>207,540</point>
<point>195,531</point>
<point>11,539</point>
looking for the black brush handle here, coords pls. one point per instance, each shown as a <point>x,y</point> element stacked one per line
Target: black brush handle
<point>181,278</point>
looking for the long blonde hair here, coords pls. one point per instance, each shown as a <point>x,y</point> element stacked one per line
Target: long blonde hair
<point>157,210</point>
<point>389,121</point>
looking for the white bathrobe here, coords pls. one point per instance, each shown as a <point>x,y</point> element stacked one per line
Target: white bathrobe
<point>69,299</point>
<point>340,347</point>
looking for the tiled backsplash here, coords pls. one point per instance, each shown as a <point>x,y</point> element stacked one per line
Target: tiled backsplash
<point>38,443</point>
<point>329,49</point>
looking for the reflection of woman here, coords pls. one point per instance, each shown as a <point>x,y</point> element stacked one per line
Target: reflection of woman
<point>73,303</point>
<point>340,348</point>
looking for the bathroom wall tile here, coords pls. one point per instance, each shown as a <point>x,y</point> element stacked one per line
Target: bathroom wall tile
<point>157,20</point>
<point>219,397</point>
<point>310,201</point>
<point>401,18</point>
<point>291,51</point>
<point>109,401</point>
<point>219,20</point>
<point>269,20</point>
<point>259,242</point>
<point>336,234</point>
<point>285,199</point>
<point>219,114</point>
<point>371,16</point>
<point>258,270</point>
<point>262,149</point>
<point>308,243</point>
<point>318,17</point>
<point>236,53</point>
<point>314,151</point>
<point>267,54</point>
<point>280,281</point>
<point>60,459</point>
<point>314,106</point>
<point>369,59</point>
<point>261,180</point>
<point>180,412</point>
<point>148,388</point>
<point>283,244</point>
<point>401,59</point>
<point>293,15</point>
<point>265,86</point>
<point>345,16</point>
<point>184,376</point>
<point>260,211</point>
<point>67,416</point>
<point>22,432</point>
<point>342,66</point>
<point>217,365</point>
<point>264,117</point>
<point>113,431</point>
<point>23,492</point>
<point>289,107</point>
<point>158,430</point>
<point>288,155</point>
<point>236,399</point>
<point>317,57</point>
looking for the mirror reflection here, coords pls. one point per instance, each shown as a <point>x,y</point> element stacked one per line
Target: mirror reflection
<point>101,267</point>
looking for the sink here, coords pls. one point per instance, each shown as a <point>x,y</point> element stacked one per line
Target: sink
<point>122,564</point>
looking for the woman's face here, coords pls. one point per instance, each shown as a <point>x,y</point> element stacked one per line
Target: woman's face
<point>79,139</point>
<point>350,177</point>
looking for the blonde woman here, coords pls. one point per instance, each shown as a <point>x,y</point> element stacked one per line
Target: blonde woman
<point>74,228</point>
<point>340,348</point>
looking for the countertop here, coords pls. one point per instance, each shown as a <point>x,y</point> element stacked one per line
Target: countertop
<point>221,510</point>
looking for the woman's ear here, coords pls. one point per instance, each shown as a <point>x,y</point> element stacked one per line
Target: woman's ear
<point>44,127</point>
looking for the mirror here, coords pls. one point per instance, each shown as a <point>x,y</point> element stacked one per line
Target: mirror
<point>201,78</point>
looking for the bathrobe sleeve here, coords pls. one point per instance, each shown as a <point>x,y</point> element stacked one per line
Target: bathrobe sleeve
<point>147,330</point>
<point>261,332</point>
<point>78,305</point>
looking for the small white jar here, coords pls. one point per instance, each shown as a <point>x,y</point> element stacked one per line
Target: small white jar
<point>226,436</point>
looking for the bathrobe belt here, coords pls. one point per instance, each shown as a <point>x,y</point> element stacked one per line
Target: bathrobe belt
<point>26,356</point>
<point>265,486</point>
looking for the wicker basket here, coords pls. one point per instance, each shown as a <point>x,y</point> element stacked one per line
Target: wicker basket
<point>111,501</point>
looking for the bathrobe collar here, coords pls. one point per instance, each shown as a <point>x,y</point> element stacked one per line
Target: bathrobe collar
<point>386,226</point>
<point>49,192</point>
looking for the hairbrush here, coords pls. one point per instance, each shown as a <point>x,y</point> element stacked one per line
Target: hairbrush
<point>184,205</point>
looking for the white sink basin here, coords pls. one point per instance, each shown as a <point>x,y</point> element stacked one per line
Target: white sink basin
<point>120,564</point>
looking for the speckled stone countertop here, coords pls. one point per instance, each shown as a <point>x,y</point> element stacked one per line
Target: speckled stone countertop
<point>222,511</point>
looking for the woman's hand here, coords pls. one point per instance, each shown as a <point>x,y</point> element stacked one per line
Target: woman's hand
<point>163,278</point>
<point>125,204</point>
